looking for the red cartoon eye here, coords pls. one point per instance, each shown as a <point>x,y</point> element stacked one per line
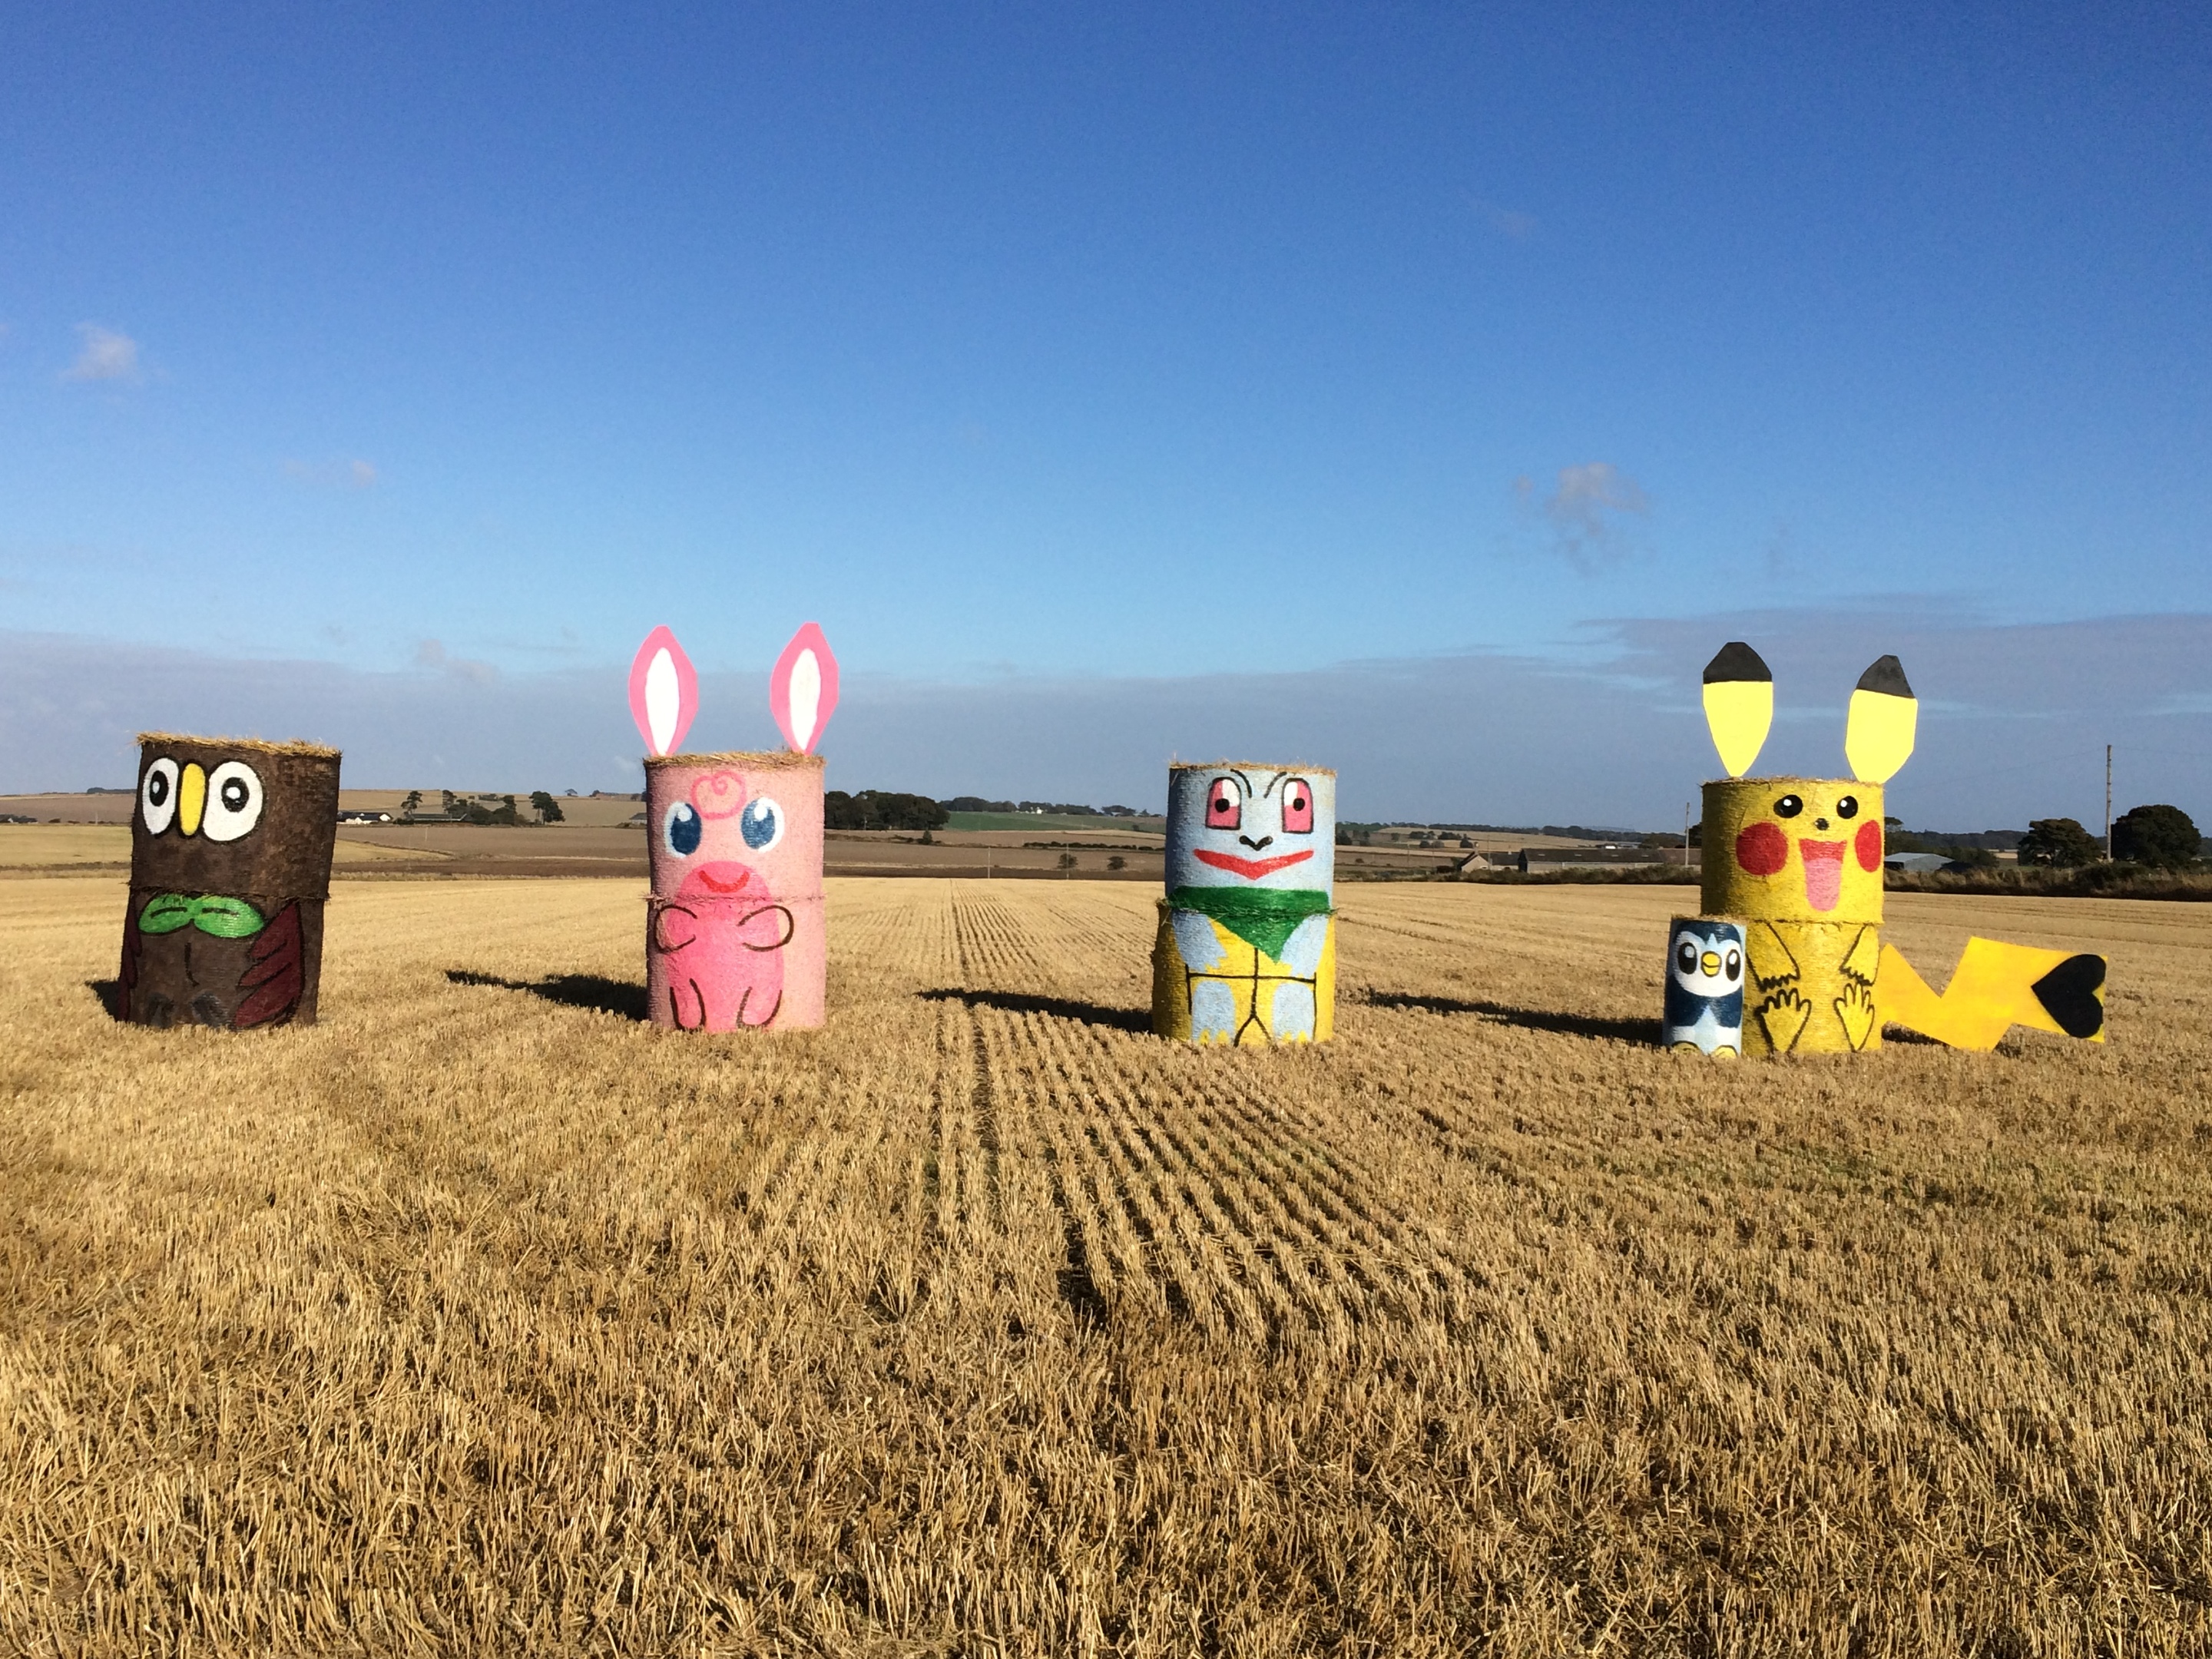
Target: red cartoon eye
<point>1224,805</point>
<point>1297,808</point>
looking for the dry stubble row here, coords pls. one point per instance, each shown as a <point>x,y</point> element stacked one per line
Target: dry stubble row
<point>483,1317</point>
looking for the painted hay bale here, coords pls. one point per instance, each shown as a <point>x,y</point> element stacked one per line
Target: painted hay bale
<point>1246,948</point>
<point>231,841</point>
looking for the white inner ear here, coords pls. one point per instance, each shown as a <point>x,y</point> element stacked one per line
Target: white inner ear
<point>663,699</point>
<point>806,697</point>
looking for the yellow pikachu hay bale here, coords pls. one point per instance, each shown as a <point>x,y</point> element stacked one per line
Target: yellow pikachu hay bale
<point>1798,862</point>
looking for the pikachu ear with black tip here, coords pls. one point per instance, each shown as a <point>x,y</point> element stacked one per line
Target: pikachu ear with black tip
<point>1885,714</point>
<point>1739,705</point>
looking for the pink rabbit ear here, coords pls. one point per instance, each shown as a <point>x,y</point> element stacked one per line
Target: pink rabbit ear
<point>803,690</point>
<point>664,692</point>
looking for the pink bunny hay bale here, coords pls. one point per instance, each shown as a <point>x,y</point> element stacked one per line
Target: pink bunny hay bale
<point>735,936</point>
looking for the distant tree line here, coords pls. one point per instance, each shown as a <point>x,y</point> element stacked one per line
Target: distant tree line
<point>977,804</point>
<point>2059,844</point>
<point>2161,835</point>
<point>881,809</point>
<point>481,809</point>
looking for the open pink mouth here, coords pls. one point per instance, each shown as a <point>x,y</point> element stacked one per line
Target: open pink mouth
<point>1253,869</point>
<point>1824,872</point>
<point>724,878</point>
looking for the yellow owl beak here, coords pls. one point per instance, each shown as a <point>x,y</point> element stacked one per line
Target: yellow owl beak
<point>1711,962</point>
<point>191,797</point>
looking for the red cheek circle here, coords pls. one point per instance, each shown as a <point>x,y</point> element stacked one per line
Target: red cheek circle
<point>1762,849</point>
<point>1868,844</point>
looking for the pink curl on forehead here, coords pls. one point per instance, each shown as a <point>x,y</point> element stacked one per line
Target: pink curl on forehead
<point>718,794</point>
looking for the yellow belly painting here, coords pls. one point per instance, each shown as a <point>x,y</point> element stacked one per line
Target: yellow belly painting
<point>1810,990</point>
<point>1210,986</point>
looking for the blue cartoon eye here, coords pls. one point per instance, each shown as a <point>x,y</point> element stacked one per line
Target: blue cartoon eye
<point>683,828</point>
<point>761,823</point>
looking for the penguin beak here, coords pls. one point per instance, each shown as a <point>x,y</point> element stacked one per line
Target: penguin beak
<point>191,797</point>
<point>1711,962</point>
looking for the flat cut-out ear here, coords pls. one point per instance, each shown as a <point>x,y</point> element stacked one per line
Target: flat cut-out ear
<point>1739,705</point>
<point>802,692</point>
<point>1885,714</point>
<point>664,692</point>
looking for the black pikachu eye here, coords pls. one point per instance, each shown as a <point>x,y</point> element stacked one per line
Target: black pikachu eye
<point>1686,957</point>
<point>1847,807</point>
<point>157,789</point>
<point>1788,806</point>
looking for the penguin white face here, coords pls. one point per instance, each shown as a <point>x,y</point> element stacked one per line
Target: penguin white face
<point>1707,965</point>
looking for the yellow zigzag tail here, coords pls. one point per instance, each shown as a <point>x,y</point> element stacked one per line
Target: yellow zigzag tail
<point>1995,986</point>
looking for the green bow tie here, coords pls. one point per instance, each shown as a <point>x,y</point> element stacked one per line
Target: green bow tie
<point>211,913</point>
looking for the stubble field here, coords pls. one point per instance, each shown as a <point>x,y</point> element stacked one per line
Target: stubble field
<point>482,1318</point>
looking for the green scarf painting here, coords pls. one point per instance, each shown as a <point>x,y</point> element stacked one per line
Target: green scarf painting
<point>1263,917</point>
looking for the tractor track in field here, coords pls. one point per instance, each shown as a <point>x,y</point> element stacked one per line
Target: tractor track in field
<point>1220,1205</point>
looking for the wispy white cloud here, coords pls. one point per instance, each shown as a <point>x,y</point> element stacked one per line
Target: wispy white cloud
<point>432,654</point>
<point>1509,222</point>
<point>1589,514</point>
<point>105,355</point>
<point>356,474</point>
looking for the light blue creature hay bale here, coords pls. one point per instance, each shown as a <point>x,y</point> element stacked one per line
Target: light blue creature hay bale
<point>1246,950</point>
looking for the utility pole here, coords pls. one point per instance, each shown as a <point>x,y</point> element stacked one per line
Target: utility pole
<point>1686,835</point>
<point>2108,802</point>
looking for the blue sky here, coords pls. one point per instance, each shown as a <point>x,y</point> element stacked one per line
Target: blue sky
<point>1173,359</point>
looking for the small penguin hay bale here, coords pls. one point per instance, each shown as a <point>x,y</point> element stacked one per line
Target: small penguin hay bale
<point>1704,986</point>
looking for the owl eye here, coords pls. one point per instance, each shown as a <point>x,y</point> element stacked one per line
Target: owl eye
<point>233,803</point>
<point>1788,806</point>
<point>1732,964</point>
<point>761,823</point>
<point>157,796</point>
<point>1847,807</point>
<point>1297,808</point>
<point>1224,805</point>
<point>1686,957</point>
<point>682,827</point>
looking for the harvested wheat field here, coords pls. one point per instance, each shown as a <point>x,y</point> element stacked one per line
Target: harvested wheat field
<point>482,1318</point>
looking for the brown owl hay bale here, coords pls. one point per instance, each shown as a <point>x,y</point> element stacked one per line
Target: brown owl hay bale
<point>231,841</point>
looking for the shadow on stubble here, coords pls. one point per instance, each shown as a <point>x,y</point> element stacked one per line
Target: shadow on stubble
<point>1021,1002</point>
<point>1597,1027</point>
<point>625,999</point>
